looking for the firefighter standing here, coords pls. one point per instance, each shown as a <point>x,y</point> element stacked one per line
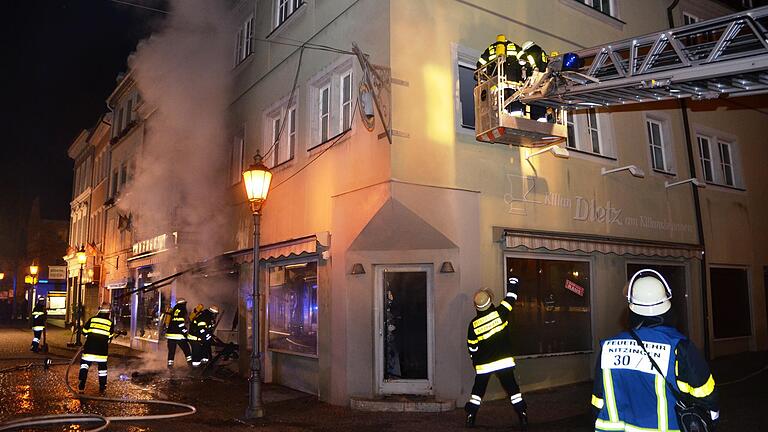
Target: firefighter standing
<point>38,323</point>
<point>99,331</point>
<point>628,392</point>
<point>489,348</point>
<point>202,329</point>
<point>177,332</point>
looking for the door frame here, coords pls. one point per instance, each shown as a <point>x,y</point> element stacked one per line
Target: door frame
<point>419,387</point>
<point>689,323</point>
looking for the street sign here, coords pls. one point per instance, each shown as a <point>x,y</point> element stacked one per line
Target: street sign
<point>57,272</point>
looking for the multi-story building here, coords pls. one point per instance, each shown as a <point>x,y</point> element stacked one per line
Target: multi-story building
<point>374,240</point>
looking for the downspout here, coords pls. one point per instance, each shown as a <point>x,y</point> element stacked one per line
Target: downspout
<point>696,203</point>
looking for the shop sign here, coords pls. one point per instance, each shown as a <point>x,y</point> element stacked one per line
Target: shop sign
<point>57,272</point>
<point>154,245</point>
<point>574,288</point>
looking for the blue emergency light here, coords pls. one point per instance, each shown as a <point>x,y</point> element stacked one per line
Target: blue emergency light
<point>572,61</point>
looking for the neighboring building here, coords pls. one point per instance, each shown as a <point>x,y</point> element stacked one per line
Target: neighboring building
<point>371,251</point>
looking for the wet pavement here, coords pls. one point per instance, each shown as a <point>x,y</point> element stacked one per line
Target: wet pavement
<point>221,399</point>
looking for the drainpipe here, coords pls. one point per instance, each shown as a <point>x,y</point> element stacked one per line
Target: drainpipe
<point>696,203</point>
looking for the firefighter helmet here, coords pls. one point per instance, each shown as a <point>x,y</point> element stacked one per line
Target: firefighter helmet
<point>649,293</point>
<point>483,299</point>
<point>104,307</point>
<point>214,309</point>
<point>181,300</point>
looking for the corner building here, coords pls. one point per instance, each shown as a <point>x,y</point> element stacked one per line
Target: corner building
<point>371,251</point>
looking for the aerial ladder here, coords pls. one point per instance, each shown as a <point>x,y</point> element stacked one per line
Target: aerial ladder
<point>721,57</point>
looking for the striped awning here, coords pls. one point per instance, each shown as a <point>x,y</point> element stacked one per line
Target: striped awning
<point>287,249</point>
<point>568,243</point>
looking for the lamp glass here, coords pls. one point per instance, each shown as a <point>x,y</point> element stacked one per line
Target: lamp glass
<point>81,257</point>
<point>257,179</point>
<point>2,275</point>
<point>33,269</point>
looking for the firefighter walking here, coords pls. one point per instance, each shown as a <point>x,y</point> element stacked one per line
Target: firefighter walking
<point>489,348</point>
<point>177,333</point>
<point>202,328</point>
<point>38,324</point>
<point>633,392</point>
<point>99,331</point>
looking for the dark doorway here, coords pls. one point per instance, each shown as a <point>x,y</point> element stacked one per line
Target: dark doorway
<point>405,325</point>
<point>675,276</point>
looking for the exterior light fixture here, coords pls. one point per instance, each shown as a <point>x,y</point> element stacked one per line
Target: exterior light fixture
<point>693,180</point>
<point>357,269</point>
<point>2,275</point>
<point>557,151</point>
<point>33,269</point>
<point>634,170</point>
<point>257,179</point>
<point>29,279</point>
<point>81,256</point>
<point>447,267</point>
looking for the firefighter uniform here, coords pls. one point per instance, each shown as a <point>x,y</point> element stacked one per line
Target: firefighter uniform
<point>202,328</point>
<point>38,324</point>
<point>177,332</point>
<point>512,69</point>
<point>628,394</point>
<point>532,57</point>
<point>99,331</point>
<point>489,347</point>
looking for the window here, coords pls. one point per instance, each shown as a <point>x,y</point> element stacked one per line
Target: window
<point>690,19</point>
<point>113,186</point>
<point>552,313</point>
<point>586,132</point>
<point>275,141</point>
<point>346,101</point>
<point>236,159</point>
<point>569,123</point>
<point>705,153</point>
<point>293,308</point>
<point>281,136</point>
<point>284,9</point>
<point>656,141</point>
<point>290,149</point>
<point>123,175</point>
<point>726,163</point>
<point>603,6</point>
<point>592,131</point>
<point>244,40</point>
<point>467,94</point>
<point>325,113</point>
<point>730,302</point>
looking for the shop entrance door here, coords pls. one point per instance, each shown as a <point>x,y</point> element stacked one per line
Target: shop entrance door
<point>404,333</point>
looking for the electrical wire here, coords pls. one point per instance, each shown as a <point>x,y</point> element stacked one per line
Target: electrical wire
<point>288,106</point>
<point>139,6</point>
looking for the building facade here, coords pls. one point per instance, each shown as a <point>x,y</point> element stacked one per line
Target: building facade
<point>371,250</point>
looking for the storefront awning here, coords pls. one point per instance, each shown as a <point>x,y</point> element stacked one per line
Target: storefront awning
<point>301,246</point>
<point>590,244</point>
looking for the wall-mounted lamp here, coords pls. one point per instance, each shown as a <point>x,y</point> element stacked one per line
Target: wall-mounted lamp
<point>557,151</point>
<point>635,171</point>
<point>447,267</point>
<point>694,180</point>
<point>357,269</point>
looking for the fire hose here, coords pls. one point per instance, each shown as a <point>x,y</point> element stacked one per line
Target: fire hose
<point>58,419</point>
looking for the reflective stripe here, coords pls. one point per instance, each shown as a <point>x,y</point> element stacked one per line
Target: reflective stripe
<point>610,398</point>
<point>493,331</point>
<point>506,305</point>
<point>714,414</point>
<point>661,403</point>
<point>193,338</point>
<point>98,332</point>
<point>513,295</point>
<point>35,340</point>
<point>488,326</point>
<point>174,336</point>
<point>170,362</point>
<point>698,392</point>
<point>84,366</point>
<point>473,349</point>
<point>98,320</point>
<point>597,402</point>
<point>496,365</point>
<point>516,398</point>
<point>482,320</point>
<point>102,373</point>
<point>189,358</point>
<point>37,314</point>
<point>604,425</point>
<point>38,328</point>
<point>95,358</point>
<point>195,364</point>
<point>482,61</point>
<point>474,402</point>
<point>202,323</point>
<point>475,397</point>
<point>472,341</point>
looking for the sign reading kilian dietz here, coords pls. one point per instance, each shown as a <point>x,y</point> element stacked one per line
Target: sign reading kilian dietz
<point>154,245</point>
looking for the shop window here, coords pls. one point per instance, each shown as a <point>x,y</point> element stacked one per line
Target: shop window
<point>675,276</point>
<point>293,308</point>
<point>552,313</point>
<point>121,309</point>
<point>730,302</point>
<point>148,311</point>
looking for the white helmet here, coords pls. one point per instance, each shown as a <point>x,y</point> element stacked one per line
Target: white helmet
<point>483,299</point>
<point>648,293</point>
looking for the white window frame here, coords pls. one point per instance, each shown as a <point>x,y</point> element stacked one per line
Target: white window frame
<point>289,6</point>
<point>244,40</point>
<point>726,167</point>
<point>611,6</point>
<point>345,106</point>
<point>236,158</point>
<point>275,126</point>
<point>293,131</point>
<point>324,117</point>
<point>665,160</point>
<point>706,142</point>
<point>593,131</point>
<point>689,18</point>
<point>584,129</point>
<point>462,57</point>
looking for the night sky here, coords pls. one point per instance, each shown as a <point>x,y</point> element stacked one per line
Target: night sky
<point>60,59</point>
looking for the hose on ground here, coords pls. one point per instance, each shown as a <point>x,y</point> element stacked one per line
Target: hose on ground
<point>41,421</point>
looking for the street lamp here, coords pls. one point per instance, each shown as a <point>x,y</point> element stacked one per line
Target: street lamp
<point>81,259</point>
<point>257,179</point>
<point>33,269</point>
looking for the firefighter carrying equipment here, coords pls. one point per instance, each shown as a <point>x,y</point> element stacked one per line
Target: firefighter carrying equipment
<point>487,340</point>
<point>649,293</point>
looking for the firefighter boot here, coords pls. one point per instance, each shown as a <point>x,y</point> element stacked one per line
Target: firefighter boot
<point>522,414</point>
<point>471,411</point>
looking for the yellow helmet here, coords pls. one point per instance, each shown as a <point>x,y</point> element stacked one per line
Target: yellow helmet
<point>483,299</point>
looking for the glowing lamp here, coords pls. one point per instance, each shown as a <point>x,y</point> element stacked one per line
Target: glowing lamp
<point>572,62</point>
<point>33,269</point>
<point>2,275</point>
<point>29,279</point>
<point>257,179</point>
<point>81,256</point>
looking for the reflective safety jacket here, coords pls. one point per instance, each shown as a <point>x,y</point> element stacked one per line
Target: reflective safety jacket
<point>99,330</point>
<point>38,317</point>
<point>177,330</point>
<point>631,396</point>
<point>533,57</point>
<point>202,325</point>
<point>512,68</point>
<point>488,337</point>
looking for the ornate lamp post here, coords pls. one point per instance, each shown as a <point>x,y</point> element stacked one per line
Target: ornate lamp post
<point>257,179</point>
<point>33,270</point>
<point>81,258</point>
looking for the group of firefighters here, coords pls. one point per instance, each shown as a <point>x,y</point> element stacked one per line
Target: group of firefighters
<point>193,333</point>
